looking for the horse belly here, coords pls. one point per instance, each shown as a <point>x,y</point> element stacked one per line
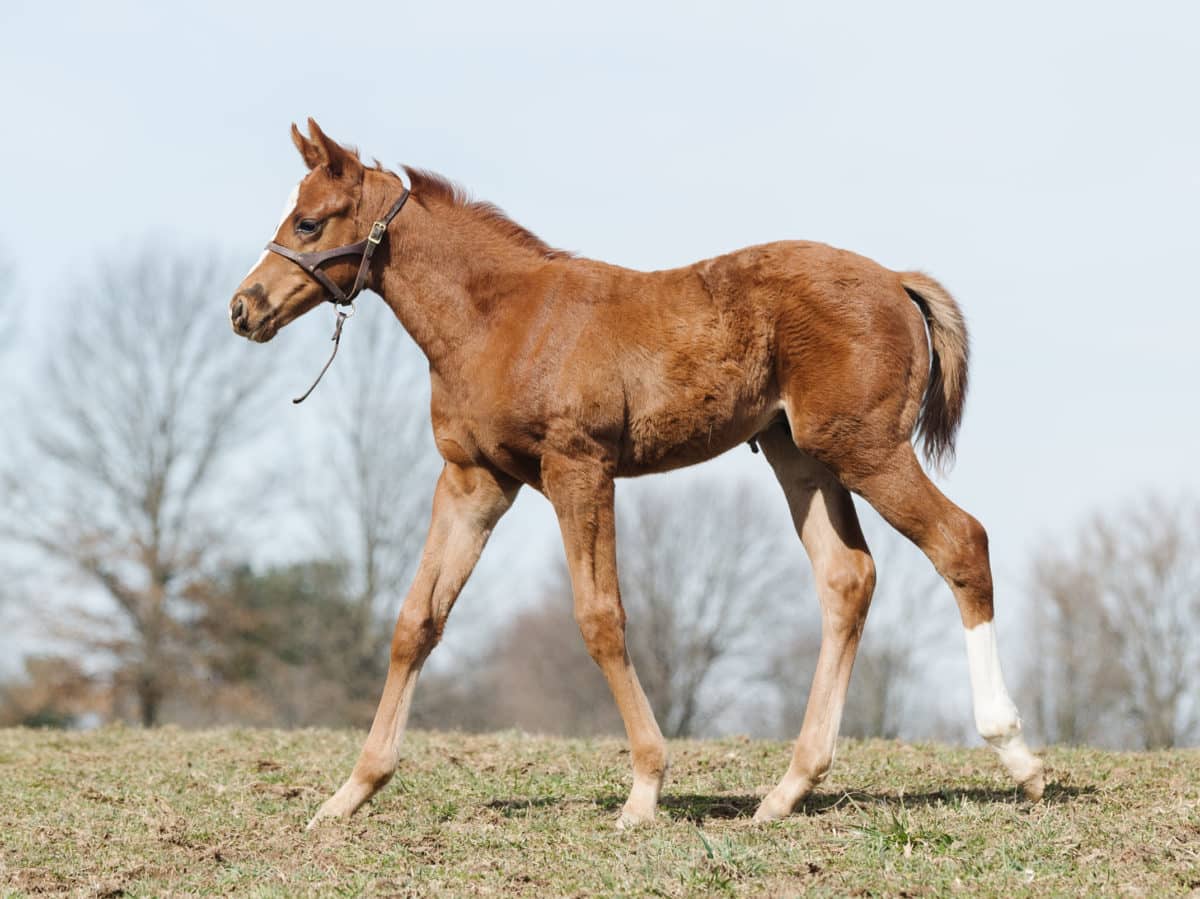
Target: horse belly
<point>683,422</point>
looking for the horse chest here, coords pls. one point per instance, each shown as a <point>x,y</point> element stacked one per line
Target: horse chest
<point>482,429</point>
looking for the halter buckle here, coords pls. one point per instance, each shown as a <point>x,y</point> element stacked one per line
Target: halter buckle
<point>377,231</point>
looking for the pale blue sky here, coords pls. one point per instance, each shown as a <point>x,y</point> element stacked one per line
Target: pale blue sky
<point>1042,160</point>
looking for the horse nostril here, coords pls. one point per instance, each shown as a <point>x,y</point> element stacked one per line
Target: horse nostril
<point>237,313</point>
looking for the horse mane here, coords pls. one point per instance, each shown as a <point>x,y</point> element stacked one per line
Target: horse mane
<point>427,185</point>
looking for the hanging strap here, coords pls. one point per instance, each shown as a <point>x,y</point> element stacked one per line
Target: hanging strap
<point>342,315</point>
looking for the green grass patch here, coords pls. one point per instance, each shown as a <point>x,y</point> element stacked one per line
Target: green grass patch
<point>122,812</point>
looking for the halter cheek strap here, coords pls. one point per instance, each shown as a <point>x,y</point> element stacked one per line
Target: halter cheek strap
<point>365,248</point>
<point>312,262</point>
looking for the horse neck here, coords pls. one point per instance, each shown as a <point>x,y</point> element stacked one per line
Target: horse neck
<point>443,270</point>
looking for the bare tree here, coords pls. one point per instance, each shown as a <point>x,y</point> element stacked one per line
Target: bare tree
<point>309,639</point>
<point>1116,655</point>
<point>128,476</point>
<point>703,576</point>
<point>1076,694</point>
<point>707,576</point>
<point>283,651</point>
<point>371,504</point>
<point>534,674</point>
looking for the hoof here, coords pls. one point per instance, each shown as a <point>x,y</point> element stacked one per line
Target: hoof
<point>318,820</point>
<point>1026,769</point>
<point>338,807</point>
<point>323,817</point>
<point>643,800</point>
<point>773,808</point>
<point>1035,785</point>
<point>782,800</point>
<point>629,819</point>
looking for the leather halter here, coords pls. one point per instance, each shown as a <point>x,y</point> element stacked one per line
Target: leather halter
<point>312,262</point>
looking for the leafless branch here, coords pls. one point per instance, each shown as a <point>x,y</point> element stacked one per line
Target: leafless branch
<point>129,446</point>
<point>372,507</point>
<point>1116,656</point>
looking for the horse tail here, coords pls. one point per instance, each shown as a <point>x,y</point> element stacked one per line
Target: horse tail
<point>946,391</point>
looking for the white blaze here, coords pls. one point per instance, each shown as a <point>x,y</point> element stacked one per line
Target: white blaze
<point>292,199</point>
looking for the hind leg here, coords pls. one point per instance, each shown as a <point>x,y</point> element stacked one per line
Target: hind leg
<point>824,515</point>
<point>958,547</point>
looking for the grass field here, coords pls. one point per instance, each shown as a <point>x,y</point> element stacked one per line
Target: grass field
<point>129,812</point>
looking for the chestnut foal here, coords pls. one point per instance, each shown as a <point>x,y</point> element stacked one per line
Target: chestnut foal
<point>564,373</point>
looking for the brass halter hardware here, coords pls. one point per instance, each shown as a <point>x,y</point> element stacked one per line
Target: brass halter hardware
<point>312,262</point>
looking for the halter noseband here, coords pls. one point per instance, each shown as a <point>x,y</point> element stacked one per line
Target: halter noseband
<point>312,262</point>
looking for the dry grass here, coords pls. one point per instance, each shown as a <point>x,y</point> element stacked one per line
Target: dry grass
<point>128,812</point>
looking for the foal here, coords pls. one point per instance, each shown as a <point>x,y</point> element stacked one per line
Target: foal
<point>564,373</point>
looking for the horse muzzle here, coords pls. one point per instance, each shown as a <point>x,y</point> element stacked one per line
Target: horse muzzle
<point>249,319</point>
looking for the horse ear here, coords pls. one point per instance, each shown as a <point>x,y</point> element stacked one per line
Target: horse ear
<point>309,152</point>
<point>338,160</point>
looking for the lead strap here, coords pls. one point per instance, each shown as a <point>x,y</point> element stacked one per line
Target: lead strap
<point>342,315</point>
<point>310,262</point>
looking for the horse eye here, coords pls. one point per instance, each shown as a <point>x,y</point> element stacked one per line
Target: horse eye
<point>307,226</point>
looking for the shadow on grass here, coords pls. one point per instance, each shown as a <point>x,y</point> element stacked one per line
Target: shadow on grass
<point>698,807</point>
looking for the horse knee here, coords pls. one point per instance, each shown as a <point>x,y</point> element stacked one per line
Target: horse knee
<point>851,584</point>
<point>417,633</point>
<point>602,624</point>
